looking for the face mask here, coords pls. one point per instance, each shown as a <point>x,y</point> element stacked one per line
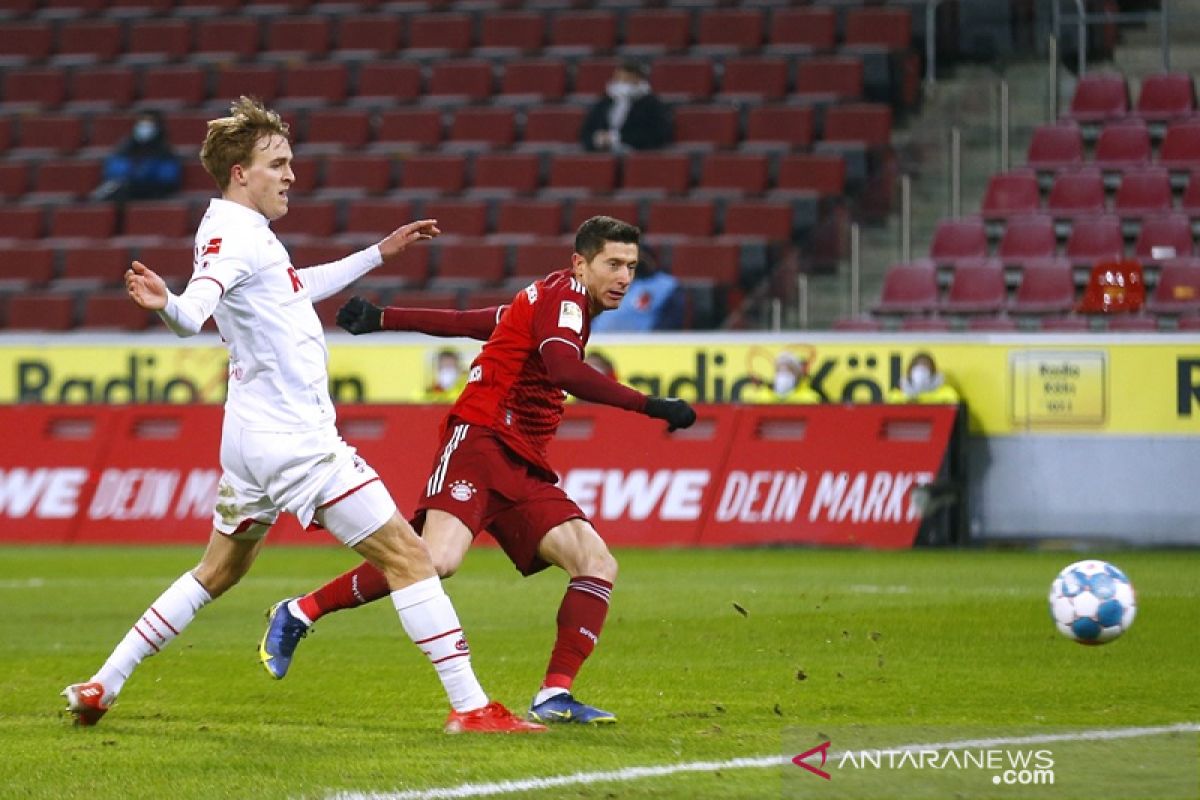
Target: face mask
<point>447,377</point>
<point>785,382</point>
<point>144,130</point>
<point>619,89</point>
<point>920,376</point>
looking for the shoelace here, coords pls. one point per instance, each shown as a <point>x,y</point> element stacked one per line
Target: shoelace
<point>293,631</point>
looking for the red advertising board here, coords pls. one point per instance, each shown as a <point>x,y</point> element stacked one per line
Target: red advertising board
<point>826,475</point>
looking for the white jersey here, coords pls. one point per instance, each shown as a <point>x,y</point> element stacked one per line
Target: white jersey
<point>278,360</point>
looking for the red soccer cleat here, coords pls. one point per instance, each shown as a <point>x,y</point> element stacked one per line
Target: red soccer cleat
<point>85,701</point>
<point>492,718</point>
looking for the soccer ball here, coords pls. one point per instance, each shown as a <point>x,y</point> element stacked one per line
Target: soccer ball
<point>1092,602</point>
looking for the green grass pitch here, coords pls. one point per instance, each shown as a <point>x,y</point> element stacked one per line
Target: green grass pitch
<point>707,655</point>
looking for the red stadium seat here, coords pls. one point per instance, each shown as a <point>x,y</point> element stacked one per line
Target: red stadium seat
<point>1165,237</point>
<point>665,173</point>
<point>448,33</point>
<point>908,288</point>
<point>316,85</point>
<point>103,86</point>
<point>67,178</point>
<point>869,123</point>
<point>543,80</point>
<point>1054,147</point>
<point>553,125</point>
<point>857,324</point>
<point>29,40</point>
<point>378,34</point>
<point>832,77</point>
<point>925,324</point>
<point>187,129</point>
<point>313,218</point>
<point>340,128</point>
<point>253,80</point>
<point>1180,148</point>
<point>1166,96</point>
<point>513,172</point>
<point>441,174</point>
<point>426,299</point>
<point>94,264</point>
<point>1190,202</point>
<point>594,173</point>
<point>299,36</point>
<point>1027,237</point>
<point>458,216</point>
<point>1010,194</point>
<point>956,239</point>
<point>515,31</point>
<point>708,126</point>
<point>682,218</point>
<point>14,179</point>
<point>976,289</point>
<point>378,216</point>
<point>100,40</point>
<point>682,78</point>
<point>87,222</point>
<point>494,126</point>
<point>26,265</point>
<point>1123,145</point>
<point>54,134</point>
<point>800,30</point>
<point>706,262</point>
<point>530,217</point>
<point>35,87</point>
<point>740,173</point>
<point>537,259</point>
<point>465,79</point>
<point>592,75</point>
<point>1143,192</point>
<point>763,219</point>
<point>729,30</point>
<point>45,311</point>
<point>22,223</point>
<point>656,31</point>
<point>388,81</point>
<point>625,210</point>
<point>166,218</point>
<point>1076,193</point>
<point>172,260</point>
<point>576,32</point>
<point>1099,96</point>
<point>755,78</point>
<point>358,173</point>
<point>823,173</point>
<point>170,39</point>
<point>467,262</point>
<point>114,310</point>
<point>1178,288</point>
<point>1132,322</point>
<point>227,38</point>
<point>1096,239</point>
<point>412,127</point>
<point>176,87</point>
<point>1044,290</point>
<point>789,126</point>
<point>890,28</point>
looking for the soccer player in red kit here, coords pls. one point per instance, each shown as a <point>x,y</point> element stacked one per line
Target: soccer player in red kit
<point>492,472</point>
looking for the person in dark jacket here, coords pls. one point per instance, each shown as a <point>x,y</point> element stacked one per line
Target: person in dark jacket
<point>629,116</point>
<point>144,167</point>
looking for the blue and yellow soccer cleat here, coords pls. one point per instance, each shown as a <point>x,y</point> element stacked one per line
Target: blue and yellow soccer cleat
<point>278,645</point>
<point>565,708</point>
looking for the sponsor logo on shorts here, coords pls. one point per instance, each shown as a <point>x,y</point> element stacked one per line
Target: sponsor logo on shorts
<point>462,491</point>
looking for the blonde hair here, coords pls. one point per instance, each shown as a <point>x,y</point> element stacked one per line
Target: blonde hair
<point>230,140</point>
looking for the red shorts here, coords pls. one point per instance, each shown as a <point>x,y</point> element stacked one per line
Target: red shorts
<point>477,479</point>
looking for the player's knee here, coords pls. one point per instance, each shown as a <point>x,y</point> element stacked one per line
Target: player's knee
<point>595,562</point>
<point>446,564</point>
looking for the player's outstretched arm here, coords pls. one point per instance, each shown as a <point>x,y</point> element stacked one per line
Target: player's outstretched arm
<point>400,239</point>
<point>567,371</point>
<point>183,314</point>
<point>326,280</point>
<point>360,316</point>
<point>145,287</point>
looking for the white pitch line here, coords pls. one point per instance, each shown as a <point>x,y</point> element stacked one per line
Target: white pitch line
<point>759,762</point>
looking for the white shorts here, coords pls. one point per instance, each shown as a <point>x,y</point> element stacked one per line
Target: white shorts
<point>303,473</point>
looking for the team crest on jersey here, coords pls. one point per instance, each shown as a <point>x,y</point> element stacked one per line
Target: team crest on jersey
<point>570,315</point>
<point>531,293</point>
<point>462,491</point>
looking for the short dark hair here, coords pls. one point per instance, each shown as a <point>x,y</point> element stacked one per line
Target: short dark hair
<point>594,233</point>
<point>632,65</point>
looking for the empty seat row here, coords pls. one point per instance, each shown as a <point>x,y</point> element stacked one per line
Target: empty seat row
<point>1002,322</point>
<point>652,30</point>
<point>1121,144</point>
<point>1103,96</point>
<point>1141,191</point>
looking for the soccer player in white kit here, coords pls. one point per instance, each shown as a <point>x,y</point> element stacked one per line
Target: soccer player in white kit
<point>280,450</point>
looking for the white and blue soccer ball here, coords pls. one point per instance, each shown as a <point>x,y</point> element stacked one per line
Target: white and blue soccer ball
<point>1092,602</point>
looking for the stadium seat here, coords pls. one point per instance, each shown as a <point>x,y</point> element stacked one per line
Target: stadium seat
<point>314,85</point>
<point>977,288</point>
<point>45,311</point>
<point>102,87</point>
<point>1189,322</point>
<point>27,40</point>
<point>458,217</point>
<point>909,288</point>
<point>85,222</point>
<point>992,323</point>
<point>487,127</point>
<point>955,239</point>
<point>187,128</point>
<point>95,40</point>
<point>337,129</point>
<point>530,217</point>
<point>1143,192</point>
<point>462,80</point>
<point>707,126</point>
<point>1025,237</point>
<point>830,77</point>
<point>1180,148</point>
<point>660,173</point>
<point>376,216</point>
<point>434,174</point>
<point>114,310</point>
<point>21,222</point>
<point>439,34</point>
<point>172,260</point>
<point>1077,193</point>
<point>518,173</point>
<point>796,31</point>
<point>1095,239</point>
<point>1011,194</point>
<point>293,38</point>
<point>1055,147</point>
<point>163,218</point>
<point>1123,145</point>
<point>152,39</point>
<point>538,258</point>
<point>625,210</point>
<point>59,134</point>
<point>822,173</point>
<point>734,173</point>
<point>790,127</point>
<point>312,218</point>
<point>14,179</point>
<point>226,39</point>
<point>724,31</point>
<point>44,88</point>
<point>468,262</point>
<point>381,82</point>
<point>657,31</point>
<point>357,174</point>
<point>582,32</point>
<point>706,262</point>
<point>27,265</point>
<point>1066,324</point>
<point>533,80</point>
<point>591,77</point>
<point>409,128</point>
<point>254,80</point>
<point>682,218</point>
<point>754,79</point>
<point>762,219</point>
<point>512,32</point>
<point>682,78</point>
<point>1178,288</point>
<point>857,325</point>
<point>1099,96</point>
<point>868,123</point>
<point>1164,237</point>
<point>67,178</point>
<point>1166,96</point>
<point>590,173</point>
<point>379,35</point>
<point>553,125</point>
<point>174,87</point>
<point>1047,289</point>
<point>93,264</point>
<point>925,325</point>
<point>1190,202</point>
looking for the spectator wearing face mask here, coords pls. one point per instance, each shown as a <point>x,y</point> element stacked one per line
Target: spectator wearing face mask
<point>449,378</point>
<point>629,116</point>
<point>922,383</point>
<point>144,167</point>
<point>789,384</point>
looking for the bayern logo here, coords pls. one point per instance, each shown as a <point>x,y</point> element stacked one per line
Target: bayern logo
<point>462,491</point>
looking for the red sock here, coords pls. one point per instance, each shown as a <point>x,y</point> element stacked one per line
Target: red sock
<point>580,620</point>
<point>363,584</point>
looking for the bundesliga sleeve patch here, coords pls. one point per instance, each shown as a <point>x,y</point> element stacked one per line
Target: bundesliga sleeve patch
<point>212,248</point>
<point>570,316</point>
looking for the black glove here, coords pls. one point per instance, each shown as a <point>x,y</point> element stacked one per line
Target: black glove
<point>677,413</point>
<point>360,316</point>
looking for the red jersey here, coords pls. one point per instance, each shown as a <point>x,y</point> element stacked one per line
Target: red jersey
<point>508,389</point>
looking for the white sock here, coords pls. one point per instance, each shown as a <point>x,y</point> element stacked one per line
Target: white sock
<point>293,606</point>
<point>430,621</point>
<point>162,622</point>
<point>546,693</point>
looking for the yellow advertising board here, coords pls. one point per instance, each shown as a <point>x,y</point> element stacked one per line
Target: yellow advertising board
<point>1011,384</point>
